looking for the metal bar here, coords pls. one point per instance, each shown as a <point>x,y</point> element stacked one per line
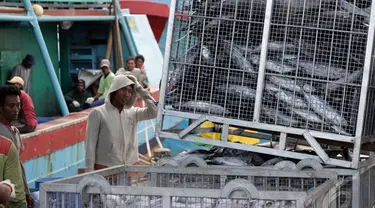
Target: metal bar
<point>255,125</point>
<point>356,187</point>
<point>314,144</point>
<point>262,64</point>
<point>264,150</point>
<point>282,142</point>
<point>364,88</point>
<point>14,18</point>
<point>126,30</point>
<point>224,133</point>
<point>75,18</point>
<point>46,58</point>
<point>43,197</point>
<point>164,76</point>
<point>191,127</point>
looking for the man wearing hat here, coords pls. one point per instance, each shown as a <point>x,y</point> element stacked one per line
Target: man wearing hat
<point>23,70</point>
<point>26,121</point>
<point>104,85</point>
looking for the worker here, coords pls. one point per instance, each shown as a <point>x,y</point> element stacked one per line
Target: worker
<point>136,72</point>
<point>104,85</point>
<point>26,121</point>
<point>11,186</point>
<point>76,98</point>
<point>111,134</point>
<point>139,62</point>
<point>10,104</point>
<point>23,70</point>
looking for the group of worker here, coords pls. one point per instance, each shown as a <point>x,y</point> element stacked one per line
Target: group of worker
<point>111,134</point>
<point>79,99</point>
<point>17,115</point>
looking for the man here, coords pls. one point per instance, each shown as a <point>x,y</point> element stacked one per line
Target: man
<point>10,104</point>
<point>111,134</point>
<point>139,62</point>
<point>26,121</point>
<point>23,70</point>
<point>77,97</point>
<point>104,85</point>
<point>11,186</point>
<point>140,75</point>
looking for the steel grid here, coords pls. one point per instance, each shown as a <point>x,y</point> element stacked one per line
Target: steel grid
<point>190,187</point>
<point>293,65</point>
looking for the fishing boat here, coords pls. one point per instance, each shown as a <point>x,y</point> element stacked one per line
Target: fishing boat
<point>68,39</point>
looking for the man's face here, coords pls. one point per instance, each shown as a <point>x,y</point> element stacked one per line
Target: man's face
<point>139,63</point>
<point>123,96</point>
<point>81,87</point>
<point>130,65</point>
<point>11,108</point>
<point>105,70</point>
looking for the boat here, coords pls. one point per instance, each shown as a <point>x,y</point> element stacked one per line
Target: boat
<point>56,148</point>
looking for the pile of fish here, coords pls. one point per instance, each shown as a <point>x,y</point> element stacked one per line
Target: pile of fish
<point>313,69</point>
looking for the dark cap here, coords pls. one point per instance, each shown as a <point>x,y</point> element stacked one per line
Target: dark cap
<point>81,81</point>
<point>29,59</point>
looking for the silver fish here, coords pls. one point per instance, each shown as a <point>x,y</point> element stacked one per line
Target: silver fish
<point>274,66</point>
<point>293,100</point>
<point>285,83</point>
<point>349,79</point>
<point>323,109</point>
<point>230,161</point>
<point>238,58</point>
<point>271,88</point>
<point>277,46</point>
<point>237,90</point>
<point>319,70</point>
<point>281,119</point>
<point>205,107</point>
<point>310,116</point>
<point>340,131</point>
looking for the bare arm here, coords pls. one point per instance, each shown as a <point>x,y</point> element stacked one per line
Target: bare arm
<point>91,140</point>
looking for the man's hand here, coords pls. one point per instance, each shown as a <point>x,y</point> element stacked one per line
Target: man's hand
<point>137,86</point>
<point>76,104</point>
<point>11,187</point>
<point>30,201</point>
<point>90,100</point>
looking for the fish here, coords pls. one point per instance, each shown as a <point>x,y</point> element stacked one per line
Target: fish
<point>274,66</point>
<point>205,107</point>
<point>340,131</point>
<point>309,116</point>
<point>237,90</point>
<point>279,117</point>
<point>292,100</point>
<point>323,109</point>
<point>319,70</point>
<point>285,83</point>
<point>349,79</point>
<point>277,46</point>
<point>229,161</point>
<point>238,58</point>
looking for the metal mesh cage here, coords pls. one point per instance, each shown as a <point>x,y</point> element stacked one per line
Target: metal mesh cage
<point>312,53</point>
<point>189,187</point>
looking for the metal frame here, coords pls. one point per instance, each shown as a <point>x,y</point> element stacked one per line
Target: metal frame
<point>361,186</point>
<point>93,183</point>
<point>309,135</point>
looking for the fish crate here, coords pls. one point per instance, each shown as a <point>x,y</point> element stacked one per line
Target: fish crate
<point>167,187</point>
<point>296,69</point>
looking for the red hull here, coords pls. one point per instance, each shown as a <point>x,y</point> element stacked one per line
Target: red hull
<point>157,13</point>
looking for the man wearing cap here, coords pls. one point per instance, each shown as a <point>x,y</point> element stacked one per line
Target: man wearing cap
<point>77,97</point>
<point>23,70</point>
<point>26,121</point>
<point>104,85</point>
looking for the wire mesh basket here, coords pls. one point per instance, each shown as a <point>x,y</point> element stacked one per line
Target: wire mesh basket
<point>137,186</point>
